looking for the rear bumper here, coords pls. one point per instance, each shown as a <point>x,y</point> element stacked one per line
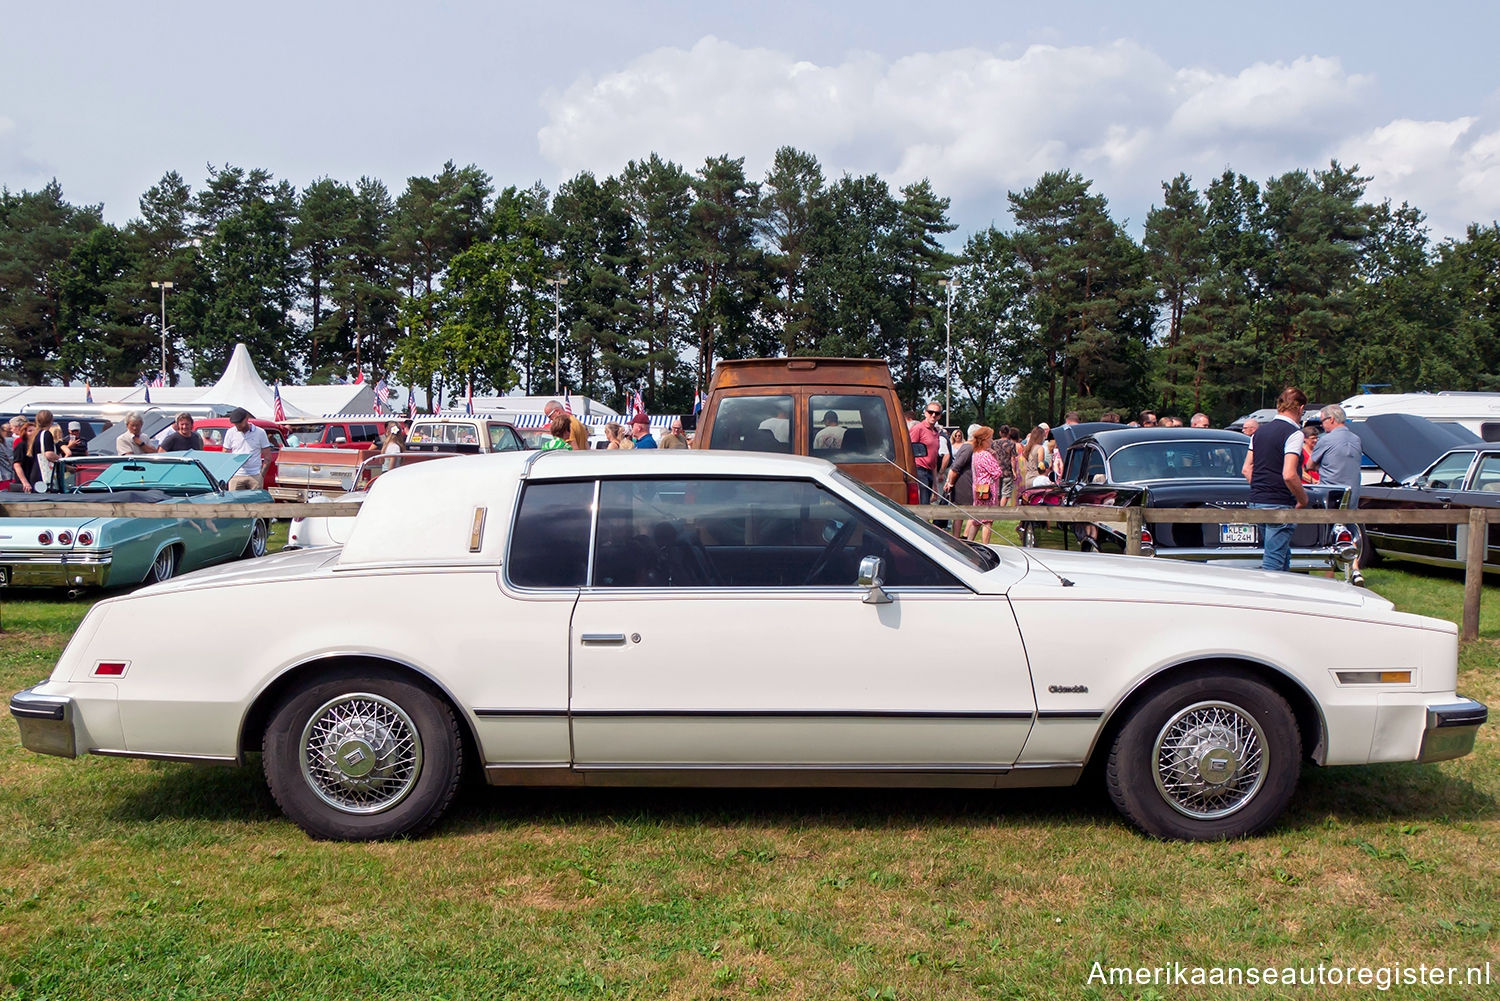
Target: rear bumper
<point>58,570</point>
<point>46,723</point>
<point>1321,558</point>
<point>1451,729</point>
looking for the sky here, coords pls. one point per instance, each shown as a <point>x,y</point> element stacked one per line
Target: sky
<point>979,98</point>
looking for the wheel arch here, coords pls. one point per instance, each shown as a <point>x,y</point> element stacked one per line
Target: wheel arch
<point>177,544</point>
<point>258,715</point>
<point>1311,723</point>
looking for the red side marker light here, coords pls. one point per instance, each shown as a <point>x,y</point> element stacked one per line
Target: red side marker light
<point>109,668</point>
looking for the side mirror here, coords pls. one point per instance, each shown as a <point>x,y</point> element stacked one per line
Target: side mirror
<point>918,450</point>
<point>872,576</point>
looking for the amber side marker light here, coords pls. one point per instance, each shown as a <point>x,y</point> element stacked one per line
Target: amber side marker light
<point>1374,677</point>
<point>109,668</point>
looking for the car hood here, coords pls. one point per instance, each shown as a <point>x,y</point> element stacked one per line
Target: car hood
<point>1143,579</point>
<point>220,465</point>
<point>1404,445</point>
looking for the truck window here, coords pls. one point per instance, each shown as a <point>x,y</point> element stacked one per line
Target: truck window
<point>850,428</point>
<point>753,424</point>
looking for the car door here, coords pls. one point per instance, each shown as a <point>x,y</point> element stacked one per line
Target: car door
<point>723,627</point>
<point>1437,488</point>
<point>1482,490</point>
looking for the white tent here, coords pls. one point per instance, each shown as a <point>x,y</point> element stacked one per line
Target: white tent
<point>242,386</point>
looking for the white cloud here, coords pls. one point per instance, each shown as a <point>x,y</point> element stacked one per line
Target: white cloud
<point>1450,170</point>
<point>979,123</point>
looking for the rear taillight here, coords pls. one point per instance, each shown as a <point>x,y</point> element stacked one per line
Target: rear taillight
<point>1146,539</point>
<point>912,495</point>
<point>1343,537</point>
<point>109,668</point>
<point>85,538</point>
<point>45,538</point>
<point>64,538</point>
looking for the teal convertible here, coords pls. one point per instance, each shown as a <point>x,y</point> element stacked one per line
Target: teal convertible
<point>79,551</point>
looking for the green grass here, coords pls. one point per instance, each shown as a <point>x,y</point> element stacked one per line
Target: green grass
<point>137,879</point>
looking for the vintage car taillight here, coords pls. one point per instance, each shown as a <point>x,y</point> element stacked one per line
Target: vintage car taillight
<point>911,493</point>
<point>64,538</point>
<point>44,537</point>
<point>1343,537</point>
<point>85,538</point>
<point>110,668</point>
<point>1146,538</point>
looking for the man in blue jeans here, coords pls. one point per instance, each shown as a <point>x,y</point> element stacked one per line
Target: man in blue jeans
<point>1274,468</point>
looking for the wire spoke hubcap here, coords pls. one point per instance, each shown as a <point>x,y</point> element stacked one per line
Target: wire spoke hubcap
<point>1210,760</point>
<point>361,753</point>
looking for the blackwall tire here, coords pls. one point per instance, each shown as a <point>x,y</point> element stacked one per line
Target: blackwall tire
<point>1213,756</point>
<point>362,756</point>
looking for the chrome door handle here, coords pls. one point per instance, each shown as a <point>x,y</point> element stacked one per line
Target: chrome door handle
<point>603,639</point>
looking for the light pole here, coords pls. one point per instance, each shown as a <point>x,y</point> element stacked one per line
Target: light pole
<point>948,284</point>
<point>557,284</point>
<point>163,286</point>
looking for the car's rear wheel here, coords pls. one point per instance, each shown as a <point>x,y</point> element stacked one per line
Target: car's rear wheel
<point>163,567</point>
<point>1369,556</point>
<point>256,544</point>
<point>361,756</point>
<point>1213,756</point>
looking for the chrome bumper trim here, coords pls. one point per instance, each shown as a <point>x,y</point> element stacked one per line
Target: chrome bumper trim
<point>1451,729</point>
<point>46,723</point>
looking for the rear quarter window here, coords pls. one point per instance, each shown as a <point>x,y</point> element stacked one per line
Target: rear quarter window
<point>549,543</point>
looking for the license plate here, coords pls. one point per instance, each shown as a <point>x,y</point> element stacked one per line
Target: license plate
<point>4,576</point>
<point>1237,535</point>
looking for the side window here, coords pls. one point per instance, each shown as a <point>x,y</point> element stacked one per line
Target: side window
<point>1073,472</point>
<point>503,439</point>
<point>1487,478</point>
<point>549,545</point>
<point>1093,466</point>
<point>728,533</point>
<point>754,424</point>
<point>1449,471</point>
<point>850,428</point>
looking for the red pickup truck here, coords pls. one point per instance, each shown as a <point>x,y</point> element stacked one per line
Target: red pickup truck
<point>333,432</point>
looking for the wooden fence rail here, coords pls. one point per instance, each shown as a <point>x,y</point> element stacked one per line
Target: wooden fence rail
<point>1477,520</point>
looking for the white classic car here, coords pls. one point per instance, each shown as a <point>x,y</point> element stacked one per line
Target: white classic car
<point>562,618</point>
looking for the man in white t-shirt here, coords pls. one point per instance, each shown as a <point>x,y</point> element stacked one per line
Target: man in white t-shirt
<point>244,438</point>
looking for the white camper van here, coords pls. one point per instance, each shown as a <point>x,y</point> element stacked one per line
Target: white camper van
<point>1479,412</point>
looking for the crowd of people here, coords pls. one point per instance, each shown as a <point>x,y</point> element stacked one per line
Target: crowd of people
<point>989,467</point>
<point>33,446</point>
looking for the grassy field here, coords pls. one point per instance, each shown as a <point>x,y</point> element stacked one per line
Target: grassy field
<point>125,879</point>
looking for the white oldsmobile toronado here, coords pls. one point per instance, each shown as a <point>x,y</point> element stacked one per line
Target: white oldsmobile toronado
<point>721,618</point>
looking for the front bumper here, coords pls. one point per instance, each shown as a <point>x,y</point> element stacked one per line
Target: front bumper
<point>73,569</point>
<point>46,723</point>
<point>1451,729</point>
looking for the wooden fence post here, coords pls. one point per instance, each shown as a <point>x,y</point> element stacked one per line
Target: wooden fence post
<point>1135,519</point>
<point>1474,571</point>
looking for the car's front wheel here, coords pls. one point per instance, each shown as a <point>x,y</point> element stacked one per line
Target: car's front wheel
<point>1213,756</point>
<point>360,756</point>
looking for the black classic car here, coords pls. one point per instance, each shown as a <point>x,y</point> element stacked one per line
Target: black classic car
<point>1107,464</point>
<point>1427,466</point>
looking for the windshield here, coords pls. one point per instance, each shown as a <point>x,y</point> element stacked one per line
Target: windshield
<point>977,557</point>
<point>1179,460</point>
<point>183,479</point>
